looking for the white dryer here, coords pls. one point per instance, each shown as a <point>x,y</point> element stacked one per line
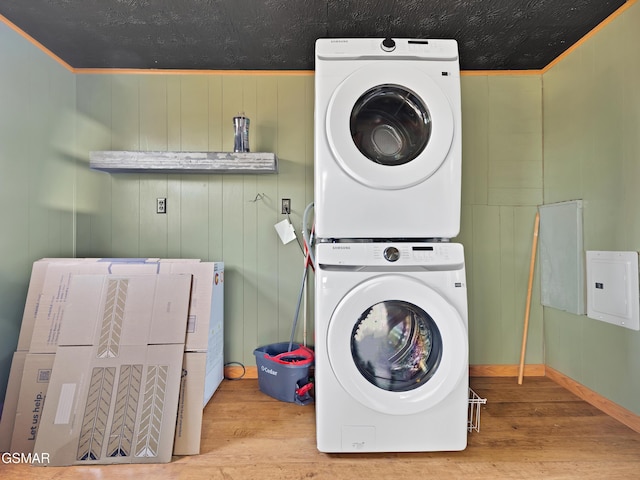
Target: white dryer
<point>391,347</point>
<point>387,138</point>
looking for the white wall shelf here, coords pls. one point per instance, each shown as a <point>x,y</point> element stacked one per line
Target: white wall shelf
<point>183,162</point>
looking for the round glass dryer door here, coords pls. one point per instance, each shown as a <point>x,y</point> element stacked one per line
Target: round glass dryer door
<point>396,345</point>
<point>390,125</point>
<point>389,128</point>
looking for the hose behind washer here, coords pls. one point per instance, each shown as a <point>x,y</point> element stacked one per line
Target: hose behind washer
<point>308,240</point>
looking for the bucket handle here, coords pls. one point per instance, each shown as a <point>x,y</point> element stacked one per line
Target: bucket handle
<point>302,394</point>
<point>299,356</point>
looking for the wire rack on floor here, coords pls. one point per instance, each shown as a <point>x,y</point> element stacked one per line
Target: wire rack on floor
<point>473,421</point>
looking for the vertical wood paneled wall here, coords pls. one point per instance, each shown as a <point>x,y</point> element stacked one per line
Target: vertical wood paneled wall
<point>226,218</point>
<point>37,175</point>
<point>501,188</point>
<point>592,152</point>
<point>214,217</point>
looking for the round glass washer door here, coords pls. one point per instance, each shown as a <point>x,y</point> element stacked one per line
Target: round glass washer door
<point>389,128</point>
<point>396,345</point>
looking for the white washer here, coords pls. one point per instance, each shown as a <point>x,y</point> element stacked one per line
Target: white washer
<point>391,347</point>
<point>387,138</point>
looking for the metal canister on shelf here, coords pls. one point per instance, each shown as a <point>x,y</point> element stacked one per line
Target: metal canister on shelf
<point>241,129</point>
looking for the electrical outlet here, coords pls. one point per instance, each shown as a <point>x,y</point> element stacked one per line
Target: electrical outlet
<point>161,205</point>
<point>286,206</point>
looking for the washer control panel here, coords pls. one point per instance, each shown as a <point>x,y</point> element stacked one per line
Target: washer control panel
<point>414,253</point>
<point>395,254</point>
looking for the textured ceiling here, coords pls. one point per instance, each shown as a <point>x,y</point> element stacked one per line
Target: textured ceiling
<point>280,34</point>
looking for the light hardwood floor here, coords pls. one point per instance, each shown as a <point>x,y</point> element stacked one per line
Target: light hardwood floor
<point>537,430</point>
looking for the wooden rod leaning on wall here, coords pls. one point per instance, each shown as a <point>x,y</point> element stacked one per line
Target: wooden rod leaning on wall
<point>527,310</point>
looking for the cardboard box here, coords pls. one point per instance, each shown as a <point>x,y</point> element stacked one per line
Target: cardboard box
<point>39,271</point>
<point>34,297</point>
<point>207,304</point>
<point>50,284</point>
<point>30,405</point>
<point>113,310</point>
<point>206,318</point>
<point>205,330</point>
<point>190,404</point>
<point>111,410</point>
<point>55,288</point>
<point>114,388</point>
<point>203,369</point>
<point>34,388</point>
<point>7,420</point>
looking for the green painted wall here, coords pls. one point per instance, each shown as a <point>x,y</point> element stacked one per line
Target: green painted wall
<point>37,105</point>
<point>592,152</point>
<point>501,188</point>
<point>212,217</point>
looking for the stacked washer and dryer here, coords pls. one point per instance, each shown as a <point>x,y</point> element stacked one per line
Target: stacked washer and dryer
<point>390,290</point>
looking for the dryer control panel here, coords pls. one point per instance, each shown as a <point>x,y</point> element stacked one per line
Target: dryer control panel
<point>387,48</point>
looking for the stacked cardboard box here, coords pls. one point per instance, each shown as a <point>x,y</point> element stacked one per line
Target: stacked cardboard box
<point>43,320</point>
<point>114,387</point>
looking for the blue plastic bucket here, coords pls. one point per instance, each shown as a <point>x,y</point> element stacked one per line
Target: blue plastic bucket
<point>284,374</point>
